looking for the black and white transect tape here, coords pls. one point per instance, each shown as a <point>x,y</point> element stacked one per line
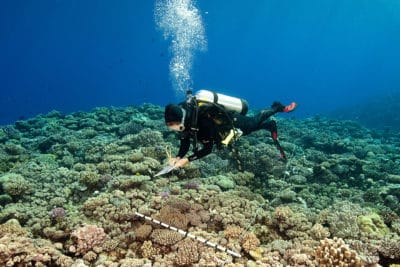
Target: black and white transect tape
<point>186,234</point>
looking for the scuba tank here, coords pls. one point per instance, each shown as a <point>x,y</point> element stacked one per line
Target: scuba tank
<point>224,104</point>
<point>228,102</point>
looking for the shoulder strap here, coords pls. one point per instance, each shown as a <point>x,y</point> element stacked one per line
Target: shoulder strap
<point>192,112</point>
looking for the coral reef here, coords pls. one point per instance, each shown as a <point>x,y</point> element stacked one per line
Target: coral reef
<point>71,184</point>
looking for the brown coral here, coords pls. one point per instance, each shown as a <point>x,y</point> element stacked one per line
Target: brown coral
<point>143,232</point>
<point>389,249</point>
<point>173,217</point>
<point>193,218</point>
<point>290,224</point>
<point>165,237</point>
<point>180,204</point>
<point>250,242</point>
<point>334,252</point>
<point>187,252</point>
<point>233,231</point>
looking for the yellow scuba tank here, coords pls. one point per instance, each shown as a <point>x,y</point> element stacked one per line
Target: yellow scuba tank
<point>228,102</point>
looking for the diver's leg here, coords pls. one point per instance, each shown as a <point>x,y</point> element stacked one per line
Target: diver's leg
<point>266,113</point>
<point>245,124</point>
<point>275,108</point>
<point>270,125</point>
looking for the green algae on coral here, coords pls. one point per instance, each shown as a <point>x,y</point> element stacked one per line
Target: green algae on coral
<point>372,224</point>
<point>15,185</point>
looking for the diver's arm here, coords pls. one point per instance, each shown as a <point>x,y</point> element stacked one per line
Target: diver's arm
<point>184,148</point>
<point>204,151</point>
<point>208,131</point>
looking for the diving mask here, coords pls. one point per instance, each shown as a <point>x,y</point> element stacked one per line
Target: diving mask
<point>178,127</point>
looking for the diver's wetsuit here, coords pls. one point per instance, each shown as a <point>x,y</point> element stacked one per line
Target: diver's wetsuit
<point>258,122</point>
<point>207,133</point>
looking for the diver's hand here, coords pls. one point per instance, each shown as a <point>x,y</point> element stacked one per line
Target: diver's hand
<point>182,162</point>
<point>173,161</point>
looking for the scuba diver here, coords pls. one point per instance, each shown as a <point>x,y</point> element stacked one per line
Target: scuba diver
<point>212,119</point>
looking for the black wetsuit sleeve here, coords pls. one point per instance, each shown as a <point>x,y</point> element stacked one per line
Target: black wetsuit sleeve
<point>207,131</point>
<point>184,148</point>
<point>204,151</point>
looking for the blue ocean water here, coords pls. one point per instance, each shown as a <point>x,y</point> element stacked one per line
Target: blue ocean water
<point>76,55</point>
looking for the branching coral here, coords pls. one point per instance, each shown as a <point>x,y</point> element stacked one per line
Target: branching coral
<point>342,219</point>
<point>390,249</point>
<point>187,252</point>
<point>290,224</point>
<point>250,242</point>
<point>334,252</point>
<point>233,231</point>
<point>11,228</point>
<point>24,251</point>
<point>318,232</point>
<point>87,238</point>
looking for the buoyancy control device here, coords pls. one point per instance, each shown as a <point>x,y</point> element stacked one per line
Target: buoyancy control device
<point>218,106</point>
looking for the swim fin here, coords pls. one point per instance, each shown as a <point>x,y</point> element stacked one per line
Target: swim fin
<point>290,108</point>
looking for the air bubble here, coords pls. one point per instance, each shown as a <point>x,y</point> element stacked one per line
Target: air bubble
<point>181,23</point>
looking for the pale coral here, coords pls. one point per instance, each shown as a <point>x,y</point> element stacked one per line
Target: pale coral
<point>90,256</point>
<point>11,228</point>
<point>24,251</point>
<point>147,250</point>
<point>319,232</point>
<point>87,238</point>
<point>334,252</point>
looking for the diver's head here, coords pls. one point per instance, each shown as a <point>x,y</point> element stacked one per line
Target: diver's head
<point>175,117</point>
